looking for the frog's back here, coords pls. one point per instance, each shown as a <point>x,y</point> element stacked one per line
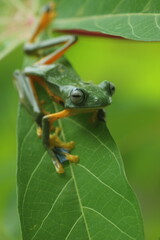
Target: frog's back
<point>59,74</point>
<point>62,74</point>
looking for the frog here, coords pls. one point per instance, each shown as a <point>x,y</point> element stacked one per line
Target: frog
<point>74,95</point>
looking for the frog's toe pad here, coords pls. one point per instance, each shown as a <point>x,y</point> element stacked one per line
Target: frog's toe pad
<point>39,132</point>
<point>58,166</point>
<point>72,158</point>
<point>69,145</point>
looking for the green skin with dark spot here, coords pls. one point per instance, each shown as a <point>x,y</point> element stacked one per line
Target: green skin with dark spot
<point>62,80</point>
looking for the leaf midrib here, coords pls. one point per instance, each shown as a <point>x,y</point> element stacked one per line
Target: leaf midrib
<point>74,180</point>
<point>79,200</point>
<point>105,16</point>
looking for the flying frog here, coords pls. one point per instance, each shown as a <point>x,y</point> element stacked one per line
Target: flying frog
<point>62,86</point>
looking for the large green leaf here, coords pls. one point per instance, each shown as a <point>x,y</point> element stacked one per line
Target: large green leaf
<point>92,200</point>
<point>134,19</point>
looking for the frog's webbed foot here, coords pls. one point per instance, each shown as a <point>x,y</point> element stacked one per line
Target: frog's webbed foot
<point>61,149</point>
<point>72,158</point>
<point>63,155</point>
<point>55,141</point>
<point>58,165</point>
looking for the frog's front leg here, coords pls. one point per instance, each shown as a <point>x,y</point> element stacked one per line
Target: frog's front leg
<point>52,141</point>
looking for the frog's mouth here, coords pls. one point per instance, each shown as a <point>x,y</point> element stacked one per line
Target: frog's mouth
<point>89,110</point>
<point>87,107</point>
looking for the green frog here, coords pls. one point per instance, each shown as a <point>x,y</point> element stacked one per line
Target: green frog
<point>62,86</point>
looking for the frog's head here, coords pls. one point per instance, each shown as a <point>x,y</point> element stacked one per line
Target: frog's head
<point>90,96</point>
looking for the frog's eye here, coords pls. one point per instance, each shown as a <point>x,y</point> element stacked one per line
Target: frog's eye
<point>77,96</point>
<point>111,88</point>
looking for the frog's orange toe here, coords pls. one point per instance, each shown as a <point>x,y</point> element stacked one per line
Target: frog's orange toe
<point>39,132</point>
<point>58,166</point>
<point>69,145</point>
<point>72,158</point>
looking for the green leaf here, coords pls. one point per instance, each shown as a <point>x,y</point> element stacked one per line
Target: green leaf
<point>138,20</point>
<point>92,200</point>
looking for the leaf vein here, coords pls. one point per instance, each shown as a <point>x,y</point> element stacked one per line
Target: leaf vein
<point>145,8</point>
<point>73,227</point>
<point>69,119</point>
<point>74,179</point>
<point>97,24</point>
<point>93,210</point>
<point>65,20</point>
<point>116,7</point>
<point>105,184</point>
<point>27,186</point>
<point>25,138</point>
<point>51,208</point>
<point>80,203</point>
<point>157,25</point>
<point>131,26</point>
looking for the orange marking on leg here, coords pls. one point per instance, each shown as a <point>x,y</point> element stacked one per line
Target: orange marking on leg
<point>34,91</point>
<point>55,116</point>
<point>52,57</point>
<point>58,53</point>
<point>57,99</point>
<point>45,20</point>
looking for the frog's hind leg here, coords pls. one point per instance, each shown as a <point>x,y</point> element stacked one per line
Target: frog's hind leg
<point>28,96</point>
<point>67,40</point>
<point>48,14</point>
<point>32,47</point>
<point>28,99</point>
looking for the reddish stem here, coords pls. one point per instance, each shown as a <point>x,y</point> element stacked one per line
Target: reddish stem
<point>87,33</point>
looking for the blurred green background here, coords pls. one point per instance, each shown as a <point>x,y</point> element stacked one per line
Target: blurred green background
<point>133,119</point>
